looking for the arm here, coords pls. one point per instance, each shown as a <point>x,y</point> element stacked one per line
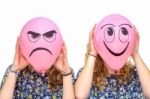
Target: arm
<point>19,63</point>
<point>68,90</point>
<point>144,74</point>
<point>84,81</point>
<point>63,66</point>
<point>143,71</point>
<point>8,86</point>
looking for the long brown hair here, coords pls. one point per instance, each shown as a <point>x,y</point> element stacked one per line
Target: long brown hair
<point>100,72</point>
<point>55,78</point>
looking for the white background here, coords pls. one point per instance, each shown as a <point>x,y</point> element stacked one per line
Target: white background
<point>75,18</point>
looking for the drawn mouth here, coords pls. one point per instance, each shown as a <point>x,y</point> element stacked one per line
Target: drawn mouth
<point>113,53</point>
<point>40,48</point>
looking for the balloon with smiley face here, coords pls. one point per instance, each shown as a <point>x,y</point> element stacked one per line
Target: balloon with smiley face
<point>40,43</point>
<point>114,39</point>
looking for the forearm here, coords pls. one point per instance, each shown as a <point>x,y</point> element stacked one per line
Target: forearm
<point>84,81</point>
<point>68,90</point>
<point>7,89</point>
<point>144,74</point>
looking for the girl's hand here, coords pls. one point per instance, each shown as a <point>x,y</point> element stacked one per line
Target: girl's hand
<point>62,62</point>
<point>90,46</point>
<point>19,62</point>
<point>135,51</point>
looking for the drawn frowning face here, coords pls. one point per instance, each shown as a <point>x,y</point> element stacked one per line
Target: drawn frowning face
<point>40,42</point>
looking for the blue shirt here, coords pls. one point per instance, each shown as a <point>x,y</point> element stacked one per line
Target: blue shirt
<point>115,90</point>
<point>31,85</point>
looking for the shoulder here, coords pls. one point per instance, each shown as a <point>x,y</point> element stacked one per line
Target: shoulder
<point>5,75</point>
<point>79,71</point>
<point>134,86</point>
<point>134,74</point>
<point>73,75</point>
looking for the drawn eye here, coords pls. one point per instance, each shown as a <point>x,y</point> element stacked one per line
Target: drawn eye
<point>109,34</point>
<point>123,34</point>
<point>33,37</point>
<point>50,36</point>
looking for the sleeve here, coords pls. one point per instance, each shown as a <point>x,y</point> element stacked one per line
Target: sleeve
<point>78,73</point>
<point>73,77</point>
<point>5,76</point>
<point>135,85</point>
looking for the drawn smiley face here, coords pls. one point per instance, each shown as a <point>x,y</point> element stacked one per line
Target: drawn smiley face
<point>115,39</point>
<point>122,35</point>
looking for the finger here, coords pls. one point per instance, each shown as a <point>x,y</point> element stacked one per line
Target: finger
<point>63,46</point>
<point>19,51</point>
<point>65,49</point>
<point>137,34</point>
<point>55,63</point>
<point>65,52</point>
<point>61,54</point>
<point>17,44</point>
<point>138,41</point>
<point>92,32</point>
<point>17,47</point>
<point>136,30</point>
<point>20,55</point>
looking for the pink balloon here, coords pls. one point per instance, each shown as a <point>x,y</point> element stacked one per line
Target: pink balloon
<point>115,39</point>
<point>40,43</point>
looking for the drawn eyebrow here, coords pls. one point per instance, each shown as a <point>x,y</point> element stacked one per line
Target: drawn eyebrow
<point>52,31</point>
<point>125,24</point>
<point>106,25</point>
<point>31,32</point>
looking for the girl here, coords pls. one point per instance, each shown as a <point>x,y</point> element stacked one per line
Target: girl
<point>28,84</point>
<point>97,81</point>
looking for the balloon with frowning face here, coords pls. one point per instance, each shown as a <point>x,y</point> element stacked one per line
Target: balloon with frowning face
<point>114,39</point>
<point>40,43</point>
